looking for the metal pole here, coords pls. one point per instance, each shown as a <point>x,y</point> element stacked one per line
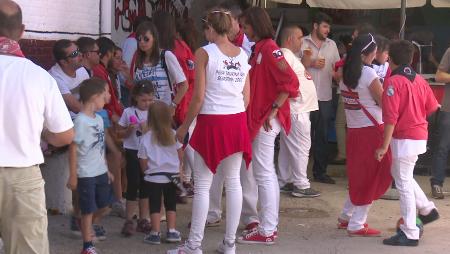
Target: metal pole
<point>402,19</point>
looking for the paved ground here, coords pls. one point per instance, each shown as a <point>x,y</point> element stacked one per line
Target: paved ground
<point>306,226</point>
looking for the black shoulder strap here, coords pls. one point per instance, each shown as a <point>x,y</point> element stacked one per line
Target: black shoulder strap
<point>164,65</point>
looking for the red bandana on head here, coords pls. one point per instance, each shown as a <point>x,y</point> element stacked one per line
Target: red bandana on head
<point>10,47</point>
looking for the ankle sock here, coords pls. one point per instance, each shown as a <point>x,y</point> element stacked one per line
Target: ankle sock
<point>87,245</point>
<point>172,230</point>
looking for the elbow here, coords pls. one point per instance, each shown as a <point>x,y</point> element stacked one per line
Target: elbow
<point>63,138</point>
<point>439,77</point>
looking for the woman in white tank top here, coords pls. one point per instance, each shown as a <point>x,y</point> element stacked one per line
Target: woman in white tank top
<point>220,139</point>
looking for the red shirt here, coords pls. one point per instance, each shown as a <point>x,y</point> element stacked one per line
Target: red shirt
<point>270,75</point>
<point>113,107</point>
<point>186,59</point>
<point>407,100</point>
<point>239,39</point>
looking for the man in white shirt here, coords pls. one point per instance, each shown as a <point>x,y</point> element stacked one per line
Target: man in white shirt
<point>319,56</point>
<point>68,73</point>
<point>294,148</point>
<point>29,102</point>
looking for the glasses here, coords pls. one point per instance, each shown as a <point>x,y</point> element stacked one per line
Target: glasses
<point>144,38</point>
<point>370,43</point>
<point>74,54</point>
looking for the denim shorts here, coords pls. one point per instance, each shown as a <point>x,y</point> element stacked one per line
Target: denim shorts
<point>94,193</point>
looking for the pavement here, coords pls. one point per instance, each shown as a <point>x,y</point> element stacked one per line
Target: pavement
<point>306,226</point>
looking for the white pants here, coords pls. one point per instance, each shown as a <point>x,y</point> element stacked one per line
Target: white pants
<point>189,155</point>
<point>203,178</point>
<point>294,152</point>
<point>355,215</point>
<point>249,195</point>
<point>411,195</point>
<point>266,178</point>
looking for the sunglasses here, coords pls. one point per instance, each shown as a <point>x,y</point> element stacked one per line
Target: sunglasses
<point>145,38</point>
<point>370,43</point>
<point>74,54</point>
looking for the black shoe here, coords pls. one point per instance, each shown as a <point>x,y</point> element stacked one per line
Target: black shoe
<point>432,216</point>
<point>338,162</point>
<point>400,239</point>
<point>287,188</point>
<point>325,179</point>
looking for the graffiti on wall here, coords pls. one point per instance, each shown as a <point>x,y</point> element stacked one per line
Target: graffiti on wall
<point>126,11</point>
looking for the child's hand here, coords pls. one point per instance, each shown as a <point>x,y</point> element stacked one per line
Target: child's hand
<point>181,133</point>
<point>72,183</point>
<point>110,177</point>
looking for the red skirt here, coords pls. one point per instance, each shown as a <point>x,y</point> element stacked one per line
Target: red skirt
<point>368,179</point>
<point>216,137</point>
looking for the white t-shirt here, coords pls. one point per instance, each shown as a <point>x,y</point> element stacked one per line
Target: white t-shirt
<point>225,80</point>
<point>29,101</point>
<point>132,141</point>
<point>129,47</point>
<point>160,158</point>
<point>158,76</point>
<point>247,45</point>
<point>356,118</point>
<point>407,147</point>
<point>67,84</point>
<point>90,140</point>
<point>307,99</point>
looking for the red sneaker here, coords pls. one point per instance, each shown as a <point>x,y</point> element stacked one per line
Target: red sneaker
<point>250,227</point>
<point>254,237</point>
<point>343,224</point>
<point>365,232</point>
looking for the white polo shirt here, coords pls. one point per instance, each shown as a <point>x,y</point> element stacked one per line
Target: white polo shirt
<point>29,101</point>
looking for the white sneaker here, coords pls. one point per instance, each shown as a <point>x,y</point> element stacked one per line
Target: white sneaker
<point>185,249</point>
<point>226,248</point>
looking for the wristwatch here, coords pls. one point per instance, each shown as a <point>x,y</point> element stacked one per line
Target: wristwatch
<point>275,105</point>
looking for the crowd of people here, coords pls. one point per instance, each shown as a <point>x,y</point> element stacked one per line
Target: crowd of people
<point>146,125</point>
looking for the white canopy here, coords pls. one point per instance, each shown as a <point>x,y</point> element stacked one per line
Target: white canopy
<point>440,3</point>
<point>361,4</point>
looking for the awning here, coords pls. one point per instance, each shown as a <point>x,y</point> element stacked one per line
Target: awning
<point>440,3</point>
<point>366,4</point>
<point>287,1</point>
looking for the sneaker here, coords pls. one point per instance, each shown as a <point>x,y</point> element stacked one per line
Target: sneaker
<point>173,237</point>
<point>289,187</point>
<point>128,228</point>
<point>118,209</point>
<point>304,193</point>
<point>185,249</point>
<point>343,224</point>
<point>143,226</point>
<point>250,227</point>
<point>365,232</point>
<point>226,248</point>
<point>75,225</point>
<point>400,239</point>
<point>153,238</point>
<point>325,179</point>
<point>437,192</point>
<point>100,232</point>
<point>430,217</point>
<point>391,194</point>
<point>255,237</point>
<point>90,250</point>
<point>216,223</point>
<point>189,189</point>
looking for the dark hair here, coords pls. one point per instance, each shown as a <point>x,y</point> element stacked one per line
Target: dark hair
<point>220,20</point>
<point>233,7</point>
<point>154,55</point>
<point>286,32</point>
<point>382,43</point>
<point>364,28</point>
<point>105,45</point>
<point>401,52</point>
<point>141,87</point>
<point>11,25</point>
<point>165,24</point>
<point>188,32</point>
<point>91,87</point>
<point>353,63</point>
<point>59,49</point>
<point>85,44</point>
<point>139,20</point>
<point>321,17</point>
<point>259,20</point>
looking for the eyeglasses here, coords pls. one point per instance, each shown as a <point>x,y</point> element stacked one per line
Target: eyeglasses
<point>74,54</point>
<point>370,43</point>
<point>145,38</point>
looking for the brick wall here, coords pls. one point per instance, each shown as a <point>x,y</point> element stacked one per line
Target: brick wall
<point>38,51</point>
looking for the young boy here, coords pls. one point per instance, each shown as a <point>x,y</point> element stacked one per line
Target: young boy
<point>407,100</point>
<point>88,170</point>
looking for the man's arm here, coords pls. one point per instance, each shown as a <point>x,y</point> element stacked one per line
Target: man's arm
<point>72,103</point>
<point>58,139</point>
<point>388,131</point>
<point>442,76</point>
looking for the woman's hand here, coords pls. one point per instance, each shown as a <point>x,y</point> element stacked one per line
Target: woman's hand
<point>181,133</point>
<point>267,126</point>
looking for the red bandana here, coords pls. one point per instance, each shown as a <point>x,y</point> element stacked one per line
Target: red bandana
<point>239,39</point>
<point>10,47</point>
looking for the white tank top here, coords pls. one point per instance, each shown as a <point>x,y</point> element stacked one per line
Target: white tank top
<point>225,80</point>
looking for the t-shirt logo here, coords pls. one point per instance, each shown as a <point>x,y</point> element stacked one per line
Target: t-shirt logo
<point>407,71</point>
<point>230,65</point>
<point>277,54</point>
<point>390,91</point>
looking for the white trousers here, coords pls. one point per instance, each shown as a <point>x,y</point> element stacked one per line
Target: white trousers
<point>355,215</point>
<point>294,152</point>
<point>249,195</point>
<point>411,195</point>
<point>203,178</point>
<point>266,178</point>
<point>188,158</point>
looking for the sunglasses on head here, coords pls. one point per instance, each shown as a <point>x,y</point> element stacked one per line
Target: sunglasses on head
<point>145,38</point>
<point>74,54</point>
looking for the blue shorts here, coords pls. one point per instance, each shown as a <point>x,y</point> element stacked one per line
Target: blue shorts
<point>94,193</point>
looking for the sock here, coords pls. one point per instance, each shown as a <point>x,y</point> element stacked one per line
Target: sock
<point>87,245</point>
<point>172,230</point>
<point>154,233</point>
